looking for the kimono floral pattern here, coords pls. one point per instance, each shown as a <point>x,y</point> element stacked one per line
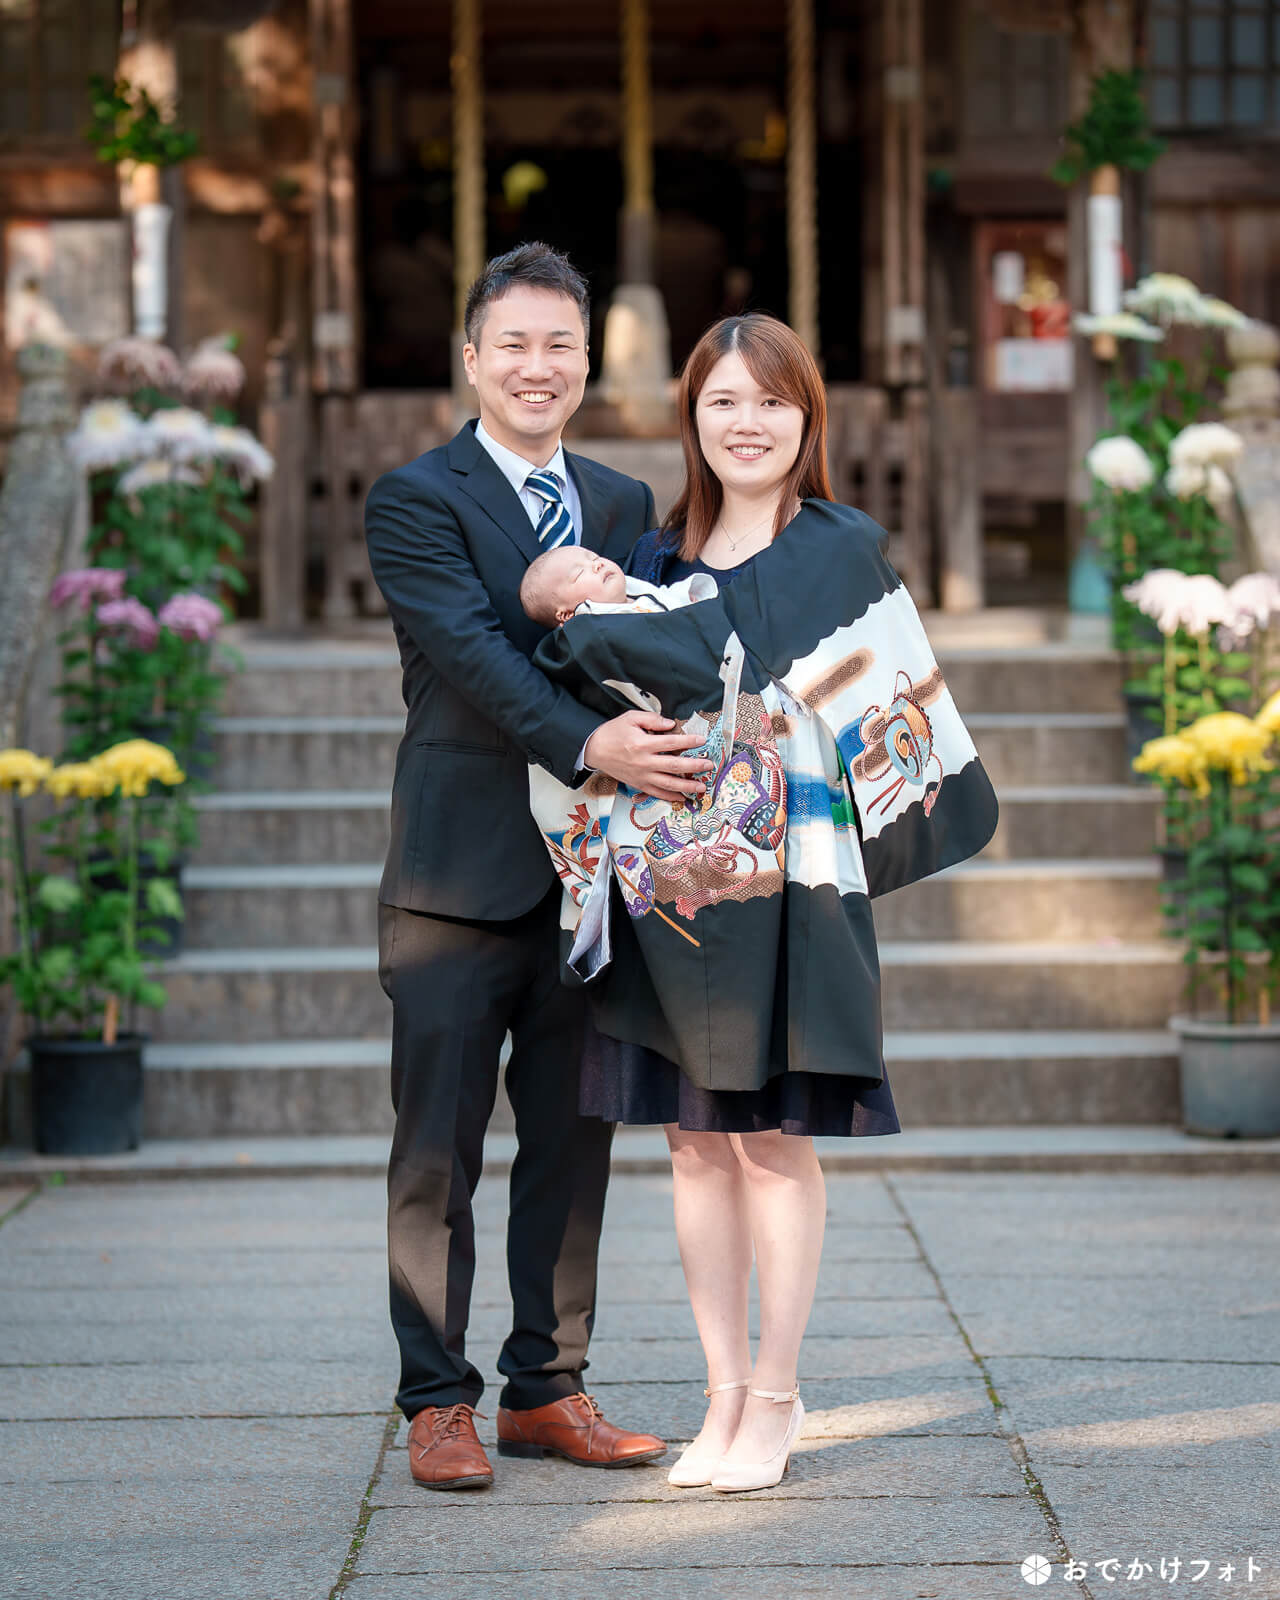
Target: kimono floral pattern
<point>727,843</point>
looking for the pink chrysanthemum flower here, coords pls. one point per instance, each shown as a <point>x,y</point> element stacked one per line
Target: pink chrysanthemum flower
<point>87,586</point>
<point>191,616</point>
<point>133,361</point>
<point>130,616</point>
<point>213,371</point>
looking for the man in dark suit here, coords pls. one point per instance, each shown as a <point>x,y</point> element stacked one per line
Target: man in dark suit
<point>469,903</point>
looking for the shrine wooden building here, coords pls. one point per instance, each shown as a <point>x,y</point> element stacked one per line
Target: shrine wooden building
<point>875,172</point>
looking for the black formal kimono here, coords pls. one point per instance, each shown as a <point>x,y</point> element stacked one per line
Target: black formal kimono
<point>745,949</point>
<point>468,911</point>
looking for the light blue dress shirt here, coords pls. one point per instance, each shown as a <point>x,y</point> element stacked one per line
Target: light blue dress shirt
<point>515,469</point>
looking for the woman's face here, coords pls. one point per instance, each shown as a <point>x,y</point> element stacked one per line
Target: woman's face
<point>750,437</point>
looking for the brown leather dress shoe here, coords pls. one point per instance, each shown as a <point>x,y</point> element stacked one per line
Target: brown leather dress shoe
<point>574,1428</point>
<point>444,1452</point>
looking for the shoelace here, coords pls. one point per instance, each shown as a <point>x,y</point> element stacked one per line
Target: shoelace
<point>594,1414</point>
<point>448,1423</point>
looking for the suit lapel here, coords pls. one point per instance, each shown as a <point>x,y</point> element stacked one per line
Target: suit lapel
<point>482,482</point>
<point>599,512</point>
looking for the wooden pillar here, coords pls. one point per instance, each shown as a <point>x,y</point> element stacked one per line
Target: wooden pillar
<point>1102,37</point>
<point>802,173</point>
<point>334,281</point>
<point>467,81</point>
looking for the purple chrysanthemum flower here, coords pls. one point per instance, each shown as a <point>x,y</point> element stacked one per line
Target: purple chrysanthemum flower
<point>132,617</point>
<point>191,616</point>
<point>87,586</point>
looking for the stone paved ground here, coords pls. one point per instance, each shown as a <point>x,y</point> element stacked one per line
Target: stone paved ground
<point>197,1382</point>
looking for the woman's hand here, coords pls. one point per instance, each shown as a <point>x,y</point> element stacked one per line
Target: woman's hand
<point>639,749</point>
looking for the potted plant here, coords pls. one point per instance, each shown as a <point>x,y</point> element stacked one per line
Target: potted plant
<point>1227,916</point>
<point>82,914</point>
<point>141,654</point>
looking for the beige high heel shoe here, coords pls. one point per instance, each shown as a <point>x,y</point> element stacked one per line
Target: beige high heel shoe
<point>694,1468</point>
<point>764,1474</point>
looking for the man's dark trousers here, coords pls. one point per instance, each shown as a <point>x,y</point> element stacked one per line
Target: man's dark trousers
<point>457,987</point>
<point>469,927</point>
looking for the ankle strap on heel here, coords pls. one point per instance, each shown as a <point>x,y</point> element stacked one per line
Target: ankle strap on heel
<point>776,1395</point>
<point>719,1388</point>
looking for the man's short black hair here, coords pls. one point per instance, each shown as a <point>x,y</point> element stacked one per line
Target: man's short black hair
<point>536,266</point>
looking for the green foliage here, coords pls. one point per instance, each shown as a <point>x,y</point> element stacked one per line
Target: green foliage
<point>127,125</point>
<point>82,921</point>
<point>1225,907</point>
<point>1112,132</point>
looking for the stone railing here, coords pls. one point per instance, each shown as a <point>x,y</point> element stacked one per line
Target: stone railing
<point>41,521</point>
<point>38,516</point>
<point>1252,406</point>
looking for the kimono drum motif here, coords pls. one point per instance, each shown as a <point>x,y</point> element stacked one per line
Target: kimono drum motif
<point>842,770</point>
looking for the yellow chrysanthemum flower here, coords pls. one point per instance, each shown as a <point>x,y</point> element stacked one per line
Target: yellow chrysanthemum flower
<point>1269,716</point>
<point>1232,743</point>
<point>1174,758</point>
<point>23,770</point>
<point>135,763</point>
<point>81,779</point>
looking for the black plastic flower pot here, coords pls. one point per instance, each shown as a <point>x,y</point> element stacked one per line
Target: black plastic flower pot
<point>86,1096</point>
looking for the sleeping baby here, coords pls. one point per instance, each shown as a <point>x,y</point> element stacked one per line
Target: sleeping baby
<point>569,579</point>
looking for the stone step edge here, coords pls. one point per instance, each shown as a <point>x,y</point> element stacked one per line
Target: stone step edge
<point>380,799</point>
<point>329,655</point>
<point>1013,1044</point>
<point>1022,1148</point>
<point>365,874</point>
<point>893,953</point>
<point>990,721</point>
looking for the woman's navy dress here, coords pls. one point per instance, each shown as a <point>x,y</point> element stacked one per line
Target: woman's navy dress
<point>628,1083</point>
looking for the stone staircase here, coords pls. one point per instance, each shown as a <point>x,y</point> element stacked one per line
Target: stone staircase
<point>1027,986</point>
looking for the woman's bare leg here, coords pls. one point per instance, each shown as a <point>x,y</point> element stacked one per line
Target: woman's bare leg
<point>786,1201</point>
<point>714,1235</point>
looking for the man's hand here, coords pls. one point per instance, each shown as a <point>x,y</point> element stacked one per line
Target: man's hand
<point>639,749</point>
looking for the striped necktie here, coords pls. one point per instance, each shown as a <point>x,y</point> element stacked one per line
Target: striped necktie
<point>555,525</point>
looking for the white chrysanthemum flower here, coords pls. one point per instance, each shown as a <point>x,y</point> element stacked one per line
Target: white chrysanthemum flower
<point>152,474</point>
<point>1254,601</point>
<point>1186,479</point>
<point>1120,325</point>
<point>1215,313</point>
<point>181,434</point>
<point>1219,489</point>
<point>1174,600</point>
<point>1206,444</point>
<point>1165,297</point>
<point>213,371</point>
<point>108,434</point>
<point>240,450</point>
<point>1120,463</point>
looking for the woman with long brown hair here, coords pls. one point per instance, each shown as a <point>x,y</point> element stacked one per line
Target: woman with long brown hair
<point>747,1181</point>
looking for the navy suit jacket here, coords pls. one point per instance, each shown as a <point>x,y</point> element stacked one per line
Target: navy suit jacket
<point>449,543</point>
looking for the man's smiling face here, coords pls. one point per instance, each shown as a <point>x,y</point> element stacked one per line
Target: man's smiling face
<point>528,365</point>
